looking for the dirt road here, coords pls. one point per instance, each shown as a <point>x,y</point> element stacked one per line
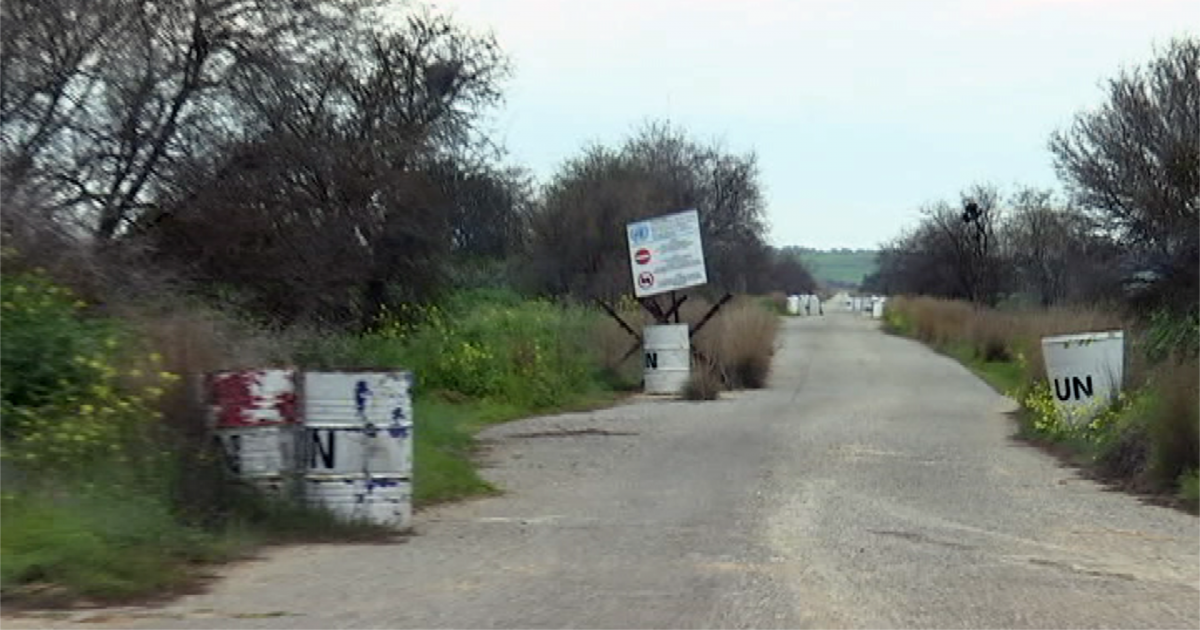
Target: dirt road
<point>874,484</point>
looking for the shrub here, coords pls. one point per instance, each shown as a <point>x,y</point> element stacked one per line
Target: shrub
<point>1001,336</point>
<point>741,342</point>
<point>1173,422</point>
<point>704,383</point>
<point>484,345</point>
<point>106,536</point>
<point>1189,489</point>
<point>75,389</point>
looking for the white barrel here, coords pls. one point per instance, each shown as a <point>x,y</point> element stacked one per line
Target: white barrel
<point>341,450</point>
<point>251,398</point>
<point>877,309</point>
<point>793,305</point>
<point>1085,371</point>
<point>267,451</point>
<point>814,304</point>
<point>667,358</point>
<point>365,498</point>
<point>358,423</point>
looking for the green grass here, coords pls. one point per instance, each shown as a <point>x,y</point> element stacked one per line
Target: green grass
<point>1005,377</point>
<point>847,267</point>
<point>103,543</point>
<point>445,447</point>
<point>1189,489</point>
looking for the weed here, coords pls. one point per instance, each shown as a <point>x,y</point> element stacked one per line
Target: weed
<point>741,341</point>
<point>704,383</point>
<point>1173,422</point>
<point>1189,489</point>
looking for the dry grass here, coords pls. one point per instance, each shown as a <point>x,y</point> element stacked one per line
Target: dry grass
<point>704,382</point>
<point>998,336</point>
<point>1174,422</point>
<point>740,340</point>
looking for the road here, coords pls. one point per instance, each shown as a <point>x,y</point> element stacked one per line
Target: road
<point>874,484</point>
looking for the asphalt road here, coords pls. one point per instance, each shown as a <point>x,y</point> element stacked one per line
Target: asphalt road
<point>874,484</point>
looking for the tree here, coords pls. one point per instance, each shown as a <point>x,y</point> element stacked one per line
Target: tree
<point>954,252</point>
<point>1056,252</point>
<point>103,99</point>
<point>352,179</point>
<point>1134,164</point>
<point>578,232</point>
<point>967,242</point>
<point>786,273</point>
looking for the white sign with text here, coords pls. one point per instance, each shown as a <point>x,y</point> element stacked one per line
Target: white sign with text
<point>666,254</point>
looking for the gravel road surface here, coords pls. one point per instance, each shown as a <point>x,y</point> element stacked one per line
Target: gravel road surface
<point>874,484</point>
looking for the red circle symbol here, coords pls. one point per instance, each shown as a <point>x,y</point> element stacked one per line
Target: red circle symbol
<point>642,256</point>
<point>645,280</point>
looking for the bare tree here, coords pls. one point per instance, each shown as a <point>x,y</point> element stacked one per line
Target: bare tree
<point>967,242</point>
<point>1135,164</point>
<point>102,97</point>
<point>345,190</point>
<point>578,233</point>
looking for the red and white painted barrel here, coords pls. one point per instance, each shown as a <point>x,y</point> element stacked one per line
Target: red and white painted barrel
<point>254,414</point>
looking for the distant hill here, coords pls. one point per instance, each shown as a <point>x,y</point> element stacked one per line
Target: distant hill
<point>837,267</point>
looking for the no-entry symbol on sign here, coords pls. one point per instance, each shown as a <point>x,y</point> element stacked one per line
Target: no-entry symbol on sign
<point>642,256</point>
<point>646,280</point>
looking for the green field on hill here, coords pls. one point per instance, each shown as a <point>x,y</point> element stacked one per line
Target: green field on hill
<point>838,266</point>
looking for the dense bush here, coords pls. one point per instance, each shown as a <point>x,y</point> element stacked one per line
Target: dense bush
<point>75,389</point>
<point>483,345</point>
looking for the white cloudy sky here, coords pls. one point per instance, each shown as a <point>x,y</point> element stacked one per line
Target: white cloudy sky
<point>859,111</point>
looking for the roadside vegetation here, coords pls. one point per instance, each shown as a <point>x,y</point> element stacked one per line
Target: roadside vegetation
<point>1147,439</point>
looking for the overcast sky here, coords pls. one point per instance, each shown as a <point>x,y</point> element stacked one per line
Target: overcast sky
<point>859,111</point>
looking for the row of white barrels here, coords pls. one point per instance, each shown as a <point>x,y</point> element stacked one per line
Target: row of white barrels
<point>869,306</point>
<point>338,440</point>
<point>806,304</point>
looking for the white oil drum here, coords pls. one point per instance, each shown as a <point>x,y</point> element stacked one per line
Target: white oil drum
<point>256,427</point>
<point>378,500</point>
<point>333,449</point>
<point>667,356</point>
<point>1085,372</point>
<point>793,305</point>
<point>877,309</point>
<point>358,445</point>
<point>267,451</point>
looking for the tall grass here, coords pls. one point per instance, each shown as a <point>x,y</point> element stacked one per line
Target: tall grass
<point>993,335</point>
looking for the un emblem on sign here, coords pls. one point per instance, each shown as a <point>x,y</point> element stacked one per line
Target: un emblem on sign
<point>639,233</point>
